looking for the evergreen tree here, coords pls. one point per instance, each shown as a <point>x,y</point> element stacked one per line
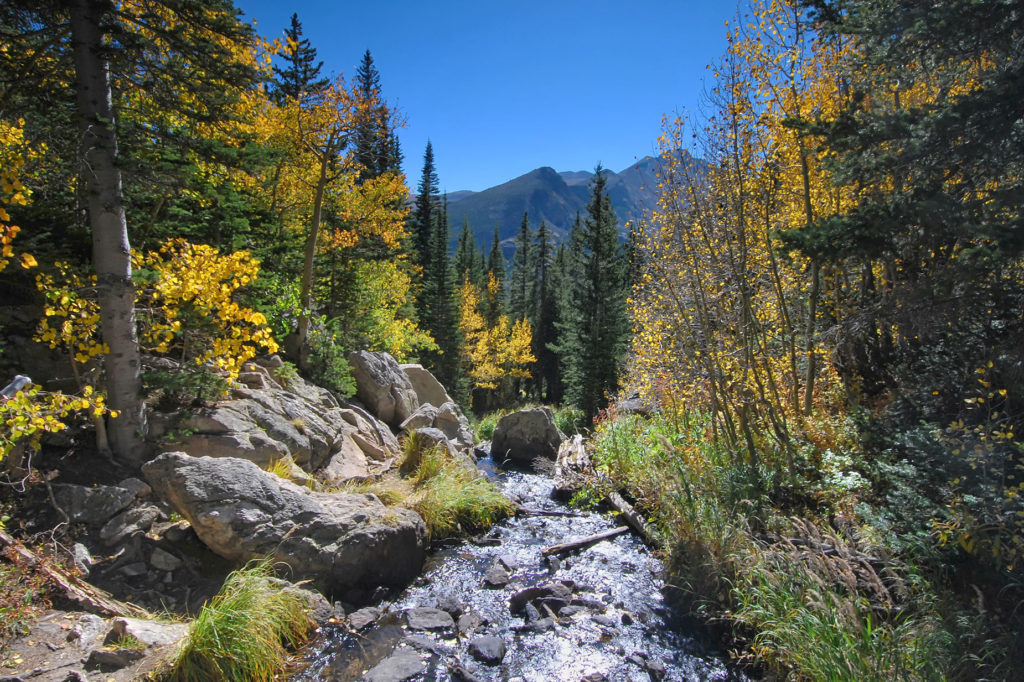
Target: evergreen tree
<point>376,146</point>
<point>495,270</point>
<point>566,347</point>
<point>520,304</point>
<point>544,313</point>
<point>593,349</point>
<point>425,211</point>
<point>465,254</point>
<point>439,314</point>
<point>300,76</point>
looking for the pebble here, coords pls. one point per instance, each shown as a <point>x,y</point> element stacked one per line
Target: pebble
<point>363,617</point>
<point>488,650</point>
<point>426,618</point>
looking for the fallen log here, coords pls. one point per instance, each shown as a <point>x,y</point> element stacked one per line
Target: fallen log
<point>567,547</point>
<point>77,590</point>
<point>632,516</point>
<point>529,511</point>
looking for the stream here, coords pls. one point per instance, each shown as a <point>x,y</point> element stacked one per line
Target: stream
<point>597,614</point>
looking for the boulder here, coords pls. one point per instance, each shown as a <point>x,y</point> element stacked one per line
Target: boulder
<point>303,422</point>
<point>448,419</point>
<point>337,541</point>
<point>423,418</point>
<point>92,505</point>
<point>428,389</point>
<point>526,435</point>
<point>383,387</point>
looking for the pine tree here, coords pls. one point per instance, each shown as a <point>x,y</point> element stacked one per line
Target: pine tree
<point>544,313</point>
<point>439,314</point>
<point>300,76</point>
<point>465,254</point>
<point>424,213</point>
<point>496,269</point>
<point>599,300</point>
<point>377,149</point>
<point>520,304</point>
<point>566,347</point>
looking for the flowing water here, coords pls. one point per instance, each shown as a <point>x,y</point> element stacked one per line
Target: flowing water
<point>597,614</point>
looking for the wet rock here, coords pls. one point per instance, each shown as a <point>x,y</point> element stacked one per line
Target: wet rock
<point>149,632</point>
<point>362,618</point>
<point>338,541</point>
<point>606,621</point>
<point>134,520</point>
<point>450,604</point>
<point>626,619</point>
<point>557,590</point>
<point>531,613</point>
<point>427,618</point>
<point>594,677</point>
<point>542,625</point>
<point>427,644</point>
<point>459,673</point>
<point>403,664</point>
<point>496,575</point>
<point>92,505</point>
<point>105,659</point>
<point>555,604</point>
<point>526,435</point>
<point>383,387</point>
<point>488,650</point>
<point>469,623</point>
<point>569,611</point>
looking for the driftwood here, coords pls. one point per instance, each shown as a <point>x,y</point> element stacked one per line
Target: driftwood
<point>631,515</point>
<point>89,596</point>
<point>567,547</point>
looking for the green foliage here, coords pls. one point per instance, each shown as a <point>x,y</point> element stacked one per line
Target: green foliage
<point>242,633</point>
<point>454,498</point>
<point>188,385</point>
<point>328,360</point>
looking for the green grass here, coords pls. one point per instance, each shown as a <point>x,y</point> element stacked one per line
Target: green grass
<point>802,614</point>
<point>244,632</point>
<point>568,419</point>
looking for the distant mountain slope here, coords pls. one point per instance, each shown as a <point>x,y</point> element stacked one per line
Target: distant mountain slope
<point>554,197</point>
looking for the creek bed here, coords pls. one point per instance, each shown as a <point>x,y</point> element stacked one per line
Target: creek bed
<point>607,621</point>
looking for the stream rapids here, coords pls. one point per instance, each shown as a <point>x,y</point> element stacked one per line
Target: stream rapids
<point>611,623</point>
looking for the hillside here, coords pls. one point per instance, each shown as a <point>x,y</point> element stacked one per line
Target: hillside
<point>554,197</point>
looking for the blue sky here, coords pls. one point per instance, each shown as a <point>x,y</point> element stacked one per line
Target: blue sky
<point>501,88</point>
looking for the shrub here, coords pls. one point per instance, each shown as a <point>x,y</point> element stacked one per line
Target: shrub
<point>241,633</point>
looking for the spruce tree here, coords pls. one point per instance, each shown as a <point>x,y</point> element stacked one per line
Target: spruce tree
<point>599,300</point>
<point>465,253</point>
<point>424,214</point>
<point>521,277</point>
<point>496,269</point>
<point>543,313</point>
<point>439,314</point>
<point>376,146</point>
<point>566,347</point>
<point>300,76</point>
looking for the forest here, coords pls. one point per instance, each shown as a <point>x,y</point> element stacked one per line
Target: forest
<point>823,320</point>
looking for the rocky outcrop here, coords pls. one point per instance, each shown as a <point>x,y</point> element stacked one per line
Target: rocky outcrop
<point>448,419</point>
<point>428,388</point>
<point>340,542</point>
<point>526,435</point>
<point>383,387</point>
<point>300,421</point>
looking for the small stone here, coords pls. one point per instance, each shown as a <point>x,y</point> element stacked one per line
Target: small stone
<point>164,560</point>
<point>656,669</point>
<point>426,618</point>
<point>449,603</point>
<point>532,614</point>
<point>403,664</point>
<point>468,623</point>
<point>128,522</point>
<point>594,677</point>
<point>112,660</point>
<point>136,487</point>
<point>363,617</point>
<point>460,673</point>
<point>135,570</point>
<point>627,619</point>
<point>607,621</point>
<point>554,563</point>
<point>87,630</point>
<point>567,611</point>
<point>488,650</point>
<point>553,603</point>
<point>424,643</point>
<point>496,576</point>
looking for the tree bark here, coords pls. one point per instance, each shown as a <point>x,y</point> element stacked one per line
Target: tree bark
<point>111,252</point>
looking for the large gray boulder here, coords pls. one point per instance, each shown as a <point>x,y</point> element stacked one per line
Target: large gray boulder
<point>383,387</point>
<point>526,435</point>
<point>447,418</point>
<point>303,421</point>
<point>337,541</point>
<point>428,388</point>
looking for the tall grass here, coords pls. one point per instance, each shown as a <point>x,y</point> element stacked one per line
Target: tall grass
<point>805,611</point>
<point>243,633</point>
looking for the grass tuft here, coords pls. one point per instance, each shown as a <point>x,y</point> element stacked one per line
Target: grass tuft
<point>242,633</point>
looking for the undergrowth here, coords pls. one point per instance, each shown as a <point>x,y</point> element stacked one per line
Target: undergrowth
<point>245,631</point>
<point>570,420</point>
<point>807,585</point>
<point>24,593</point>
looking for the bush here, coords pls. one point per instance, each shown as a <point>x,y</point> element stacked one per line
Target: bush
<point>241,633</point>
